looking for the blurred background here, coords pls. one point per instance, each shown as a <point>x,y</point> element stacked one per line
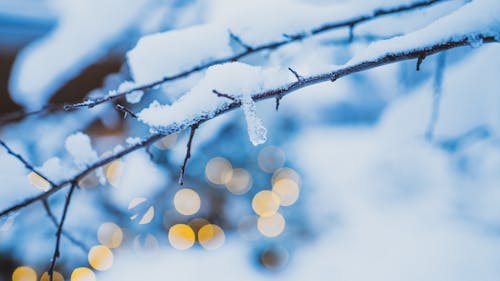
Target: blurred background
<point>388,174</point>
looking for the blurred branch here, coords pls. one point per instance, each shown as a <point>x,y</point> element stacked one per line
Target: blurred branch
<point>341,71</point>
<point>26,164</point>
<point>22,114</point>
<point>59,233</point>
<point>68,236</point>
<point>249,50</point>
<point>46,206</point>
<point>436,97</point>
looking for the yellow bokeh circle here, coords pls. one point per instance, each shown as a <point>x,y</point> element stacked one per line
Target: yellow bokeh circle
<point>181,236</point>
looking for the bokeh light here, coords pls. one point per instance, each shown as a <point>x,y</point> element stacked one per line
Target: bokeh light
<point>38,182</point>
<point>57,276</point>
<point>110,235</point>
<point>266,203</point>
<point>197,223</point>
<point>274,258</point>
<point>271,226</point>
<point>24,273</point>
<point>271,158</point>
<point>100,257</point>
<point>145,218</point>
<point>240,182</point>
<point>287,190</point>
<point>90,180</point>
<point>286,173</point>
<point>148,244</point>
<point>219,170</point>
<point>166,142</point>
<point>187,202</point>
<point>181,236</point>
<point>83,274</point>
<point>211,237</point>
<point>114,173</point>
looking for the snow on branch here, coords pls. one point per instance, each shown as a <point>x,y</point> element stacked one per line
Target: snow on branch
<point>152,66</point>
<point>452,31</point>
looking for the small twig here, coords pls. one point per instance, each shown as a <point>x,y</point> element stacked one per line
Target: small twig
<point>188,153</point>
<point>420,59</point>
<point>240,42</point>
<point>299,78</point>
<point>21,114</point>
<point>219,94</point>
<point>126,111</point>
<point>295,37</point>
<point>278,100</point>
<point>68,236</point>
<point>351,33</point>
<point>59,233</point>
<point>26,164</point>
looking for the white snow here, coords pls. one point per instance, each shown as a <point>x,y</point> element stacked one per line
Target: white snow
<point>86,29</point>
<point>457,25</point>
<point>237,80</point>
<point>80,148</point>
<point>168,53</point>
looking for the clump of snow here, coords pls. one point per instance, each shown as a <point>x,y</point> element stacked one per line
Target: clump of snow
<point>237,80</point>
<point>457,25</point>
<point>133,141</point>
<point>274,17</point>
<point>55,171</point>
<point>133,97</point>
<point>80,148</point>
<point>168,53</point>
<point>86,30</point>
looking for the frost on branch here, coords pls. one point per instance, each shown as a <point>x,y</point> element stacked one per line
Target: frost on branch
<point>237,80</point>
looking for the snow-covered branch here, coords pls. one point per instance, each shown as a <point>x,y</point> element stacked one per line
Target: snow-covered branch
<point>354,66</point>
<point>361,15</point>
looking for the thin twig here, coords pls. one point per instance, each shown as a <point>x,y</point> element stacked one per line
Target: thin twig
<point>21,114</point>
<point>240,42</point>
<point>26,164</point>
<point>68,236</point>
<point>345,70</point>
<point>295,74</point>
<point>290,38</point>
<point>126,111</point>
<point>188,153</point>
<point>59,233</point>
<point>420,59</point>
<point>278,100</point>
<point>222,95</point>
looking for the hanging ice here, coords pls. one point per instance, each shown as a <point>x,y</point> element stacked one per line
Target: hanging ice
<point>256,131</point>
<point>237,80</point>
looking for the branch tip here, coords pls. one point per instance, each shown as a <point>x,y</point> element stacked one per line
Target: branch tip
<point>299,78</point>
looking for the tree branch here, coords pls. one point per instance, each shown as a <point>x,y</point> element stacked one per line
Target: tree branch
<point>290,38</point>
<point>59,233</point>
<point>26,164</point>
<point>126,111</point>
<point>339,72</point>
<point>68,236</point>
<point>188,153</point>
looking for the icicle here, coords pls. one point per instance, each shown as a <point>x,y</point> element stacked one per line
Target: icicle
<point>256,130</point>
